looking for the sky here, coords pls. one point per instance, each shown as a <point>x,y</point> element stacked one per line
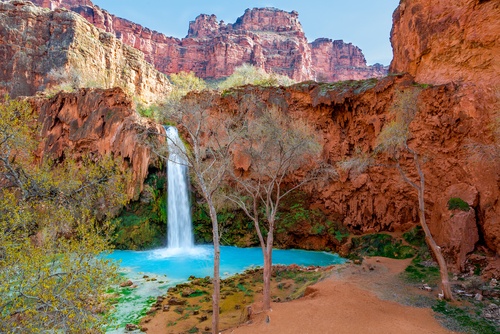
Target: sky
<point>364,23</point>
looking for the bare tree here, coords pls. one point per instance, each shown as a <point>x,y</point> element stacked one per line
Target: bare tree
<point>393,142</point>
<point>209,136</point>
<point>274,147</point>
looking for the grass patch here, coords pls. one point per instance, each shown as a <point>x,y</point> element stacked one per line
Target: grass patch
<point>456,203</point>
<point>381,245</point>
<point>466,319</point>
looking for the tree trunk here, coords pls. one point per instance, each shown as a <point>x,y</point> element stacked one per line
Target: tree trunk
<point>268,268</point>
<point>216,278</point>
<point>436,250</point>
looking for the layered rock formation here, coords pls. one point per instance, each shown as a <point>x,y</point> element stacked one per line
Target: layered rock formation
<point>95,121</point>
<point>268,38</point>
<point>40,48</point>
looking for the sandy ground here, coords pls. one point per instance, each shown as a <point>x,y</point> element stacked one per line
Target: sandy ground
<point>367,298</point>
<point>352,300</point>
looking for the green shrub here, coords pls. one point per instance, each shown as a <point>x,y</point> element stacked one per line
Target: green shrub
<point>381,245</point>
<point>250,75</point>
<point>415,237</point>
<point>456,203</point>
<point>468,319</point>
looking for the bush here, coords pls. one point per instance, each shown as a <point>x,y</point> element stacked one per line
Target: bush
<point>456,203</point>
<point>250,75</point>
<point>381,245</point>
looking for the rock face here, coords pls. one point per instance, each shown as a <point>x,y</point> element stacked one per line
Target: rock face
<point>457,41</point>
<point>41,48</point>
<point>338,61</point>
<point>349,117</point>
<point>95,121</point>
<point>442,41</point>
<point>268,38</point>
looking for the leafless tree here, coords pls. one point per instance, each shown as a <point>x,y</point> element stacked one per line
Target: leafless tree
<point>274,149</point>
<point>209,136</point>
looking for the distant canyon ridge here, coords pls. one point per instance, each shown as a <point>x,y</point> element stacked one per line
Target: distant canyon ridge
<point>268,38</point>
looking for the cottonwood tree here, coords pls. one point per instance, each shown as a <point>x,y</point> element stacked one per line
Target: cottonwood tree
<point>275,148</point>
<point>51,275</point>
<point>393,142</point>
<point>209,134</point>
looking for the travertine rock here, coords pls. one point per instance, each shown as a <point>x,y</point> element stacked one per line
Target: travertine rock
<point>95,121</point>
<point>265,37</point>
<point>40,48</point>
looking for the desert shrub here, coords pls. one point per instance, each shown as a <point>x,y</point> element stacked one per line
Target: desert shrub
<point>250,75</point>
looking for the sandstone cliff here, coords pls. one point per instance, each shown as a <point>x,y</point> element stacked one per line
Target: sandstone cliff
<point>41,48</point>
<point>439,41</point>
<point>268,38</point>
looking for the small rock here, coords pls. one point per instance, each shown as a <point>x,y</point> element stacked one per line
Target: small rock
<point>176,301</point>
<point>145,276</point>
<point>237,307</point>
<point>126,284</point>
<point>203,318</point>
<point>187,292</point>
<point>160,299</point>
<point>478,297</point>
<point>131,327</point>
<point>196,312</point>
<point>166,308</point>
<point>493,283</point>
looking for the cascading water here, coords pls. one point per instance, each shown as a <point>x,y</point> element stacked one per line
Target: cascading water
<point>180,234</point>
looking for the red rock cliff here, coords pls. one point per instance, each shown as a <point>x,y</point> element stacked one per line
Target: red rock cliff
<point>438,41</point>
<point>40,48</point>
<point>349,117</point>
<point>96,121</point>
<point>268,38</point>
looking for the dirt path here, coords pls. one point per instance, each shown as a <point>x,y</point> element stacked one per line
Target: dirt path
<point>367,298</point>
<point>351,300</point>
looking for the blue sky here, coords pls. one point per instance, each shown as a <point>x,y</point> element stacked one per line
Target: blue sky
<point>365,23</point>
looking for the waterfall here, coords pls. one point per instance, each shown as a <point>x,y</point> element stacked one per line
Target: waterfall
<point>180,234</point>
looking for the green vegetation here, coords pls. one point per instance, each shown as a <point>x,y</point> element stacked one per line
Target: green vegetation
<point>456,203</point>
<point>250,75</point>
<point>380,245</point>
<point>356,86</point>
<point>53,278</point>
<point>466,319</point>
<point>142,224</point>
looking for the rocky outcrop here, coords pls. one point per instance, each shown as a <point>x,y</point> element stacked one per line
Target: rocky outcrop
<point>338,61</point>
<point>438,41</point>
<point>96,122</point>
<point>268,38</point>
<point>41,48</point>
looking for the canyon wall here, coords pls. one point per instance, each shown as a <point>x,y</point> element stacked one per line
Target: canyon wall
<point>98,122</point>
<point>41,48</point>
<point>438,41</point>
<point>268,38</point>
<point>451,120</point>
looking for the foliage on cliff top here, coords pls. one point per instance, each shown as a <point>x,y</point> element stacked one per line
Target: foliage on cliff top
<point>250,75</point>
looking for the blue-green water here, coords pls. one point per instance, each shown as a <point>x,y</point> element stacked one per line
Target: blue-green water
<point>169,267</point>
